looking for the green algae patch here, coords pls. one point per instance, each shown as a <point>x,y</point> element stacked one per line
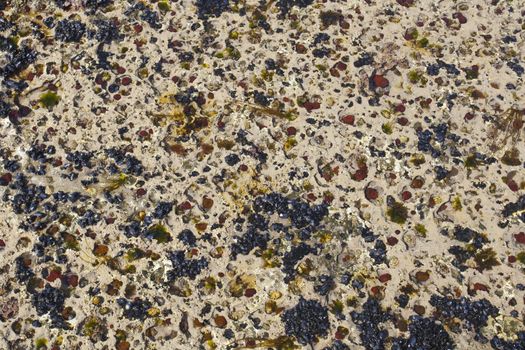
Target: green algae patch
<point>41,343</point>
<point>486,259</point>
<point>116,182</point>
<point>49,99</point>
<point>159,233</point>
<point>135,254</point>
<point>417,76</point>
<point>521,257</point>
<point>471,161</point>
<point>387,128</point>
<point>164,6</point>
<point>397,213</point>
<point>421,230</point>
<point>456,204</point>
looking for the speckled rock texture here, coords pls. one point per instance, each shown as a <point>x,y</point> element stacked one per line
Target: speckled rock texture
<point>262,174</point>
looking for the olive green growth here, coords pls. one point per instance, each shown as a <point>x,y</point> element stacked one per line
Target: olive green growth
<point>49,99</point>
<point>471,161</point>
<point>398,213</point>
<point>486,259</point>
<point>41,343</point>
<point>135,254</point>
<point>159,233</point>
<point>422,43</point>
<point>421,230</point>
<point>164,6</point>
<point>387,128</point>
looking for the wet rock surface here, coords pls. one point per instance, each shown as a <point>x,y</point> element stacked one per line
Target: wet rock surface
<point>284,174</point>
